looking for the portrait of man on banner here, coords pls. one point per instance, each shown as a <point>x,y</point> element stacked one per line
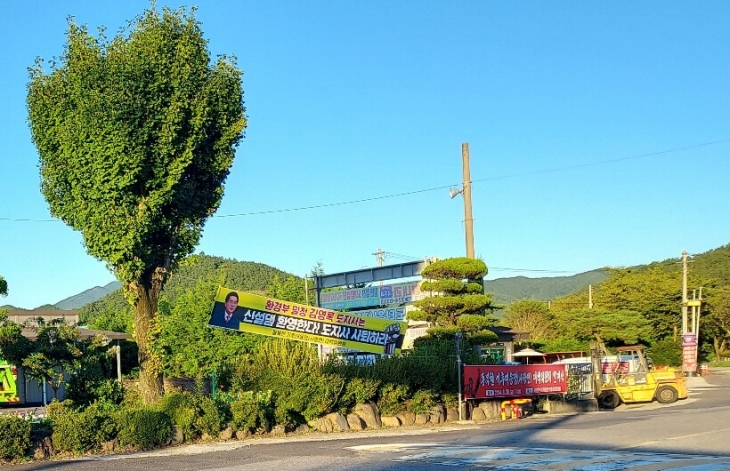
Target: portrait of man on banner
<point>226,314</point>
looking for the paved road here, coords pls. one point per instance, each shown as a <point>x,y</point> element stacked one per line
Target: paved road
<point>687,435</point>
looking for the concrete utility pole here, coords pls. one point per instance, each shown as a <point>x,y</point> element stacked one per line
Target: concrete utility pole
<point>466,193</point>
<point>590,296</point>
<point>684,292</point>
<point>697,319</point>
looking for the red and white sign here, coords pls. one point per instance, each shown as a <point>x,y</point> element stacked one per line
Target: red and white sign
<point>493,381</point>
<point>689,352</point>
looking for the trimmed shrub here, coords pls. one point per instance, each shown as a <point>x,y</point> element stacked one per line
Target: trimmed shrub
<point>251,411</point>
<point>304,398</point>
<point>212,415</point>
<point>194,414</point>
<point>80,431</point>
<point>143,427</point>
<point>450,399</point>
<point>391,398</point>
<point>360,390</point>
<point>422,401</point>
<point>182,410</point>
<point>14,437</point>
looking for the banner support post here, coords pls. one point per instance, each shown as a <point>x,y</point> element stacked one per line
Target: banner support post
<point>457,346</point>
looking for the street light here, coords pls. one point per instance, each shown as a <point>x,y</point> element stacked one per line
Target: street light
<point>466,193</point>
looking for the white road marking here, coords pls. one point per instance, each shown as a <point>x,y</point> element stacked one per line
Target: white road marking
<point>547,459</point>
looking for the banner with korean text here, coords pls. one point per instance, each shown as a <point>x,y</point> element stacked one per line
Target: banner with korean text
<point>373,296</point>
<point>261,315</point>
<point>493,381</point>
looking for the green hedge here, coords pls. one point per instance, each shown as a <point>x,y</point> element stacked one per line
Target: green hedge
<point>194,414</point>
<point>80,431</point>
<point>14,437</point>
<point>143,427</point>
<point>252,411</point>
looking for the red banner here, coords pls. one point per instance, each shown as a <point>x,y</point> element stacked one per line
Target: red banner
<point>493,381</point>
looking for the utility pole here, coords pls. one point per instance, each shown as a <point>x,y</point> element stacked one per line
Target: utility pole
<point>379,255</point>
<point>466,193</point>
<point>590,296</point>
<point>306,290</point>
<point>694,312</point>
<point>697,320</point>
<point>684,292</point>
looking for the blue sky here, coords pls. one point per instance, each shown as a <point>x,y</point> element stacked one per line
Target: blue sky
<point>598,135</point>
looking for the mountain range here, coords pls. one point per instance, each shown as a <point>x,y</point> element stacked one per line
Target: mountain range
<point>503,290</point>
<point>714,263</point>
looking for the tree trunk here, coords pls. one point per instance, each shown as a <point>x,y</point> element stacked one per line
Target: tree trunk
<point>145,330</point>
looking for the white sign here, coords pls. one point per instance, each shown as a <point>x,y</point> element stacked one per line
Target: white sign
<point>390,313</point>
<point>385,295</point>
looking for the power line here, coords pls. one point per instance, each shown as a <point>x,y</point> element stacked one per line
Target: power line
<point>521,174</point>
<point>341,203</point>
<point>399,195</point>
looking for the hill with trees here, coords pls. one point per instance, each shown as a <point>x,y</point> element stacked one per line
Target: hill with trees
<point>506,290</point>
<point>112,312</point>
<point>641,303</point>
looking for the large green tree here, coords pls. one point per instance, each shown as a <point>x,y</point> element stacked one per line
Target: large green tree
<point>529,315</point>
<point>715,324</point>
<point>654,291</point>
<point>612,327</point>
<point>3,286</point>
<point>136,136</point>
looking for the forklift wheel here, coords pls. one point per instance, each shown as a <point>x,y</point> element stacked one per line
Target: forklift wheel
<point>666,394</point>
<point>608,400</point>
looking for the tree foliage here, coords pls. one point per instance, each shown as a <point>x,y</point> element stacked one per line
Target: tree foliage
<point>715,319</point>
<point>290,288</point>
<point>653,291</point>
<point>454,282</point>
<point>3,286</point>
<point>529,315</point>
<point>612,327</point>
<point>136,137</point>
<point>13,345</point>
<point>57,352</point>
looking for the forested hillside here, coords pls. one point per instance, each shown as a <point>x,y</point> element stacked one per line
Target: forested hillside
<point>651,296</point>
<point>506,290</point>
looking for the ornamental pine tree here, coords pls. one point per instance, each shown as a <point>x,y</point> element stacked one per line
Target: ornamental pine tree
<point>457,302</point>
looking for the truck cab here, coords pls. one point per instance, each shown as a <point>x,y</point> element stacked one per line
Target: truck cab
<point>8,383</point>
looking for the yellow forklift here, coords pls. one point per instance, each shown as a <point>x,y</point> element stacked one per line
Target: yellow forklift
<point>628,378</point>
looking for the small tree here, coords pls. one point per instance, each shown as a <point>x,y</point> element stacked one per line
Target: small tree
<point>457,287</point>
<point>136,137</point>
<point>55,354</point>
<point>14,347</point>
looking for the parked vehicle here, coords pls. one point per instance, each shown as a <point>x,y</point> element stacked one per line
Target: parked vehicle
<point>8,383</point>
<point>630,379</point>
